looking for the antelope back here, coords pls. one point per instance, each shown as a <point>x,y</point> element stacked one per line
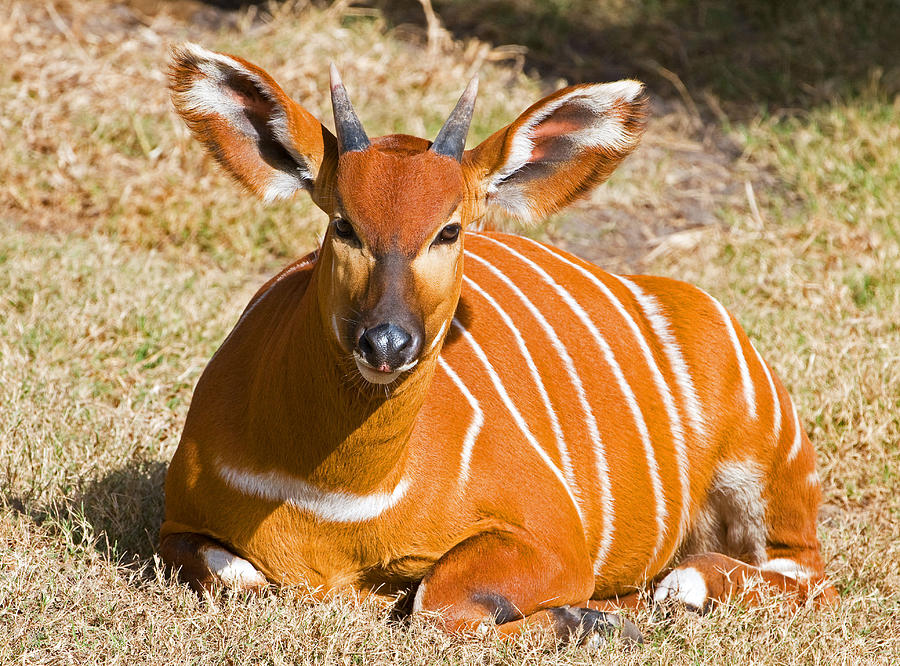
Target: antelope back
<point>635,404</point>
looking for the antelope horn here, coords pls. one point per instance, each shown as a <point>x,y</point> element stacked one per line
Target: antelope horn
<point>350,132</point>
<point>451,140</point>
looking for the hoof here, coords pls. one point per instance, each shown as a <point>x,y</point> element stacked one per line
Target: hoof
<point>590,627</point>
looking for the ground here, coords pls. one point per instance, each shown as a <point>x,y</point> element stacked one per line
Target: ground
<point>125,258</point>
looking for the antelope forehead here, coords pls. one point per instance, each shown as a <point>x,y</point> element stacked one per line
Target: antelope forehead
<point>397,197</point>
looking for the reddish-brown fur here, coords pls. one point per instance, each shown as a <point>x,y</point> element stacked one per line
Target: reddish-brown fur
<point>487,521</point>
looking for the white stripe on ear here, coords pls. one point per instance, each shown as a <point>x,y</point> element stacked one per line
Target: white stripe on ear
<point>205,96</point>
<point>610,131</point>
<point>210,94</point>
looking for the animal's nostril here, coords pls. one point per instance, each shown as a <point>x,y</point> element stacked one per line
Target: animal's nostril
<point>364,344</point>
<point>385,340</point>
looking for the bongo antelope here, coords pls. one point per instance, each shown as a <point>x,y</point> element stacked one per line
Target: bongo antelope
<point>513,433</point>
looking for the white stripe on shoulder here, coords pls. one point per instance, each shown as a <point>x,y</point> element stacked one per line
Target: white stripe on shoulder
<point>798,439</point>
<point>475,425</point>
<point>336,506</point>
<point>565,459</point>
<point>665,395</point>
<point>622,383</point>
<point>776,403</point>
<point>652,309</point>
<point>746,381</point>
<point>606,498</point>
<point>516,415</point>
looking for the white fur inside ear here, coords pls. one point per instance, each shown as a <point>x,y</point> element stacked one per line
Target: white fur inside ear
<point>207,94</point>
<point>610,131</point>
<point>607,129</point>
<point>278,123</point>
<point>283,185</point>
<point>210,94</point>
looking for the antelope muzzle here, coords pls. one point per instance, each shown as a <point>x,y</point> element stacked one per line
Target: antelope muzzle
<point>386,350</point>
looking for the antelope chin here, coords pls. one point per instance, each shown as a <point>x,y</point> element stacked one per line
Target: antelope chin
<point>374,376</point>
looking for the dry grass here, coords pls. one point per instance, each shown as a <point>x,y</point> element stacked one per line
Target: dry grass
<point>125,258</point>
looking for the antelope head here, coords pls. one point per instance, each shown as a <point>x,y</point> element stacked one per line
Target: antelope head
<point>389,272</point>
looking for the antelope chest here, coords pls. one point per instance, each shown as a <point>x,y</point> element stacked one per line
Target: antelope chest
<point>295,533</point>
<point>373,555</point>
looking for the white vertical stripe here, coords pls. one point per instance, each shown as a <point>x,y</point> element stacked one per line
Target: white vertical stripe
<point>622,383</point>
<point>653,311</point>
<point>746,382</point>
<point>517,416</point>
<point>650,307</point>
<point>776,403</point>
<point>536,377</point>
<point>474,426</point>
<point>668,402</point>
<point>606,497</point>
<point>798,440</point>
<point>438,337</point>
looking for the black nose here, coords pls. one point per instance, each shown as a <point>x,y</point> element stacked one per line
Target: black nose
<point>386,347</point>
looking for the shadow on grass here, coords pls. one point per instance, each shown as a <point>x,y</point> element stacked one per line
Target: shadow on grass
<point>740,56</point>
<point>744,54</point>
<point>127,507</point>
<point>119,515</point>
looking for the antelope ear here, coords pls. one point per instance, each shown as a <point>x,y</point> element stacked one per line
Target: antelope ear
<point>263,138</point>
<point>558,150</point>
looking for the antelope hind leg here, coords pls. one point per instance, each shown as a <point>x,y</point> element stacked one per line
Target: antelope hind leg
<point>206,565</point>
<point>701,580</point>
<point>495,579</point>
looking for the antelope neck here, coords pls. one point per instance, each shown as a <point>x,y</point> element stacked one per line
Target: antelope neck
<point>332,428</point>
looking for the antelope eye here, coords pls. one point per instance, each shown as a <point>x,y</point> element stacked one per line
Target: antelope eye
<point>344,229</point>
<point>448,234</point>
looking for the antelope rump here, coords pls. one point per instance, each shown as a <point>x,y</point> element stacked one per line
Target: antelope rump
<point>512,433</point>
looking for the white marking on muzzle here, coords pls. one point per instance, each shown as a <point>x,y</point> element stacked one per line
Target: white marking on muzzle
<point>374,376</point>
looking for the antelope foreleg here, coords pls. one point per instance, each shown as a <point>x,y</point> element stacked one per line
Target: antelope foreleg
<point>206,565</point>
<point>498,579</point>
